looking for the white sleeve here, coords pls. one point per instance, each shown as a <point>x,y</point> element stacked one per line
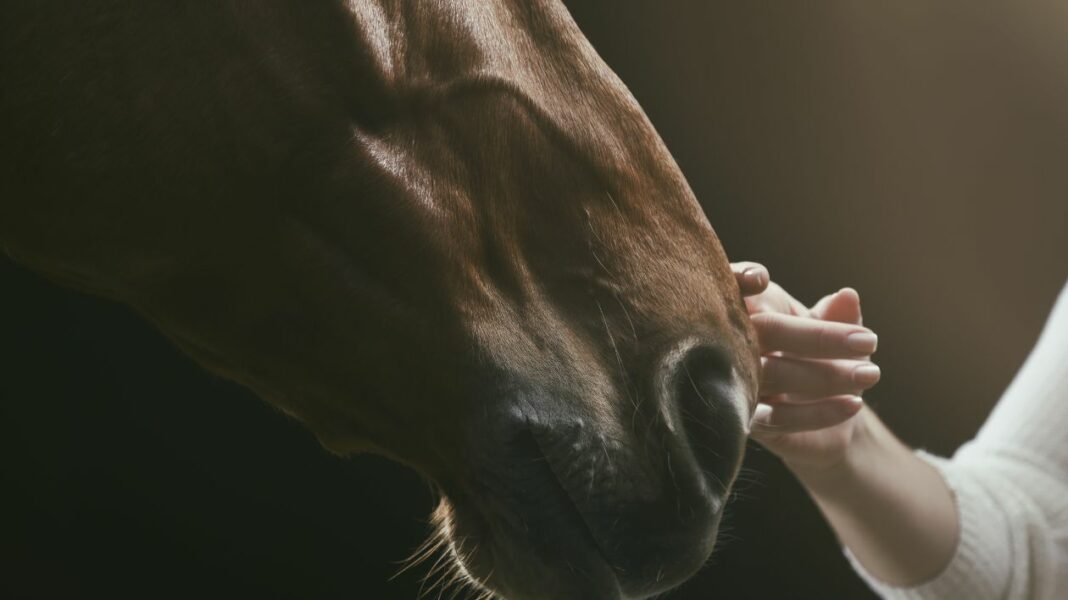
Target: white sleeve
<point>1011,488</point>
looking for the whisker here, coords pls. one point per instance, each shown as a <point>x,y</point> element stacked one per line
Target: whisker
<point>615,349</point>
<point>613,200</point>
<point>432,544</point>
<point>607,454</point>
<point>671,470</point>
<point>593,478</point>
<point>600,262</point>
<point>626,313</point>
<point>697,420</point>
<point>438,569</point>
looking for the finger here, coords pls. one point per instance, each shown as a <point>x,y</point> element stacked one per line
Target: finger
<point>777,300</point>
<point>811,338</point>
<point>842,306</point>
<point>785,375</point>
<point>778,419</point>
<point>752,277</point>
<point>820,308</point>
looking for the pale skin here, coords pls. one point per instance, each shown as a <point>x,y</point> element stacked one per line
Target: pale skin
<point>891,509</point>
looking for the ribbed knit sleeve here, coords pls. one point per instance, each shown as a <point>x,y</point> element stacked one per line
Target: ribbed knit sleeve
<point>1010,485</point>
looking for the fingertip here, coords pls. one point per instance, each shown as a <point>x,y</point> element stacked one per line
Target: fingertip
<point>856,405</point>
<point>867,375</point>
<point>776,420</point>
<point>847,404</point>
<point>755,279</point>
<point>864,342</point>
<point>848,292</point>
<point>845,408</point>
<point>843,306</point>
<point>742,266</point>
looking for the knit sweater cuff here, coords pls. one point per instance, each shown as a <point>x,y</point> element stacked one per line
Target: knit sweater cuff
<point>968,573</point>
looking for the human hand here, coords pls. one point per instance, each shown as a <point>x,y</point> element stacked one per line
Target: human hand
<point>814,365</point>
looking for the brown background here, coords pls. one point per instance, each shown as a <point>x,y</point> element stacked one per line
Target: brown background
<point>919,154</point>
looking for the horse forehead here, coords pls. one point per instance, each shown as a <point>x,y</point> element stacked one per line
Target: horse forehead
<point>439,41</point>
<point>550,93</point>
<point>428,54</point>
<point>532,49</point>
<point>529,58</point>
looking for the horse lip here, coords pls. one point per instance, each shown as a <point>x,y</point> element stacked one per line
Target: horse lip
<point>576,528</point>
<point>627,585</point>
<point>594,540</point>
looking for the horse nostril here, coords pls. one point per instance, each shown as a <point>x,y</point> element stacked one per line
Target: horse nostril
<point>706,398</point>
<point>707,364</point>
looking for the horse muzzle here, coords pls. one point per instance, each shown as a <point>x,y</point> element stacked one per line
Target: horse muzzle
<point>564,505</point>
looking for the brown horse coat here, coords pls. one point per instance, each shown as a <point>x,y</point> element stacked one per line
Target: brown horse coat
<point>442,231</point>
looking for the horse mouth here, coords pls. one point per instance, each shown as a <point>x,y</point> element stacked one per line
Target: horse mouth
<point>553,524</point>
<point>544,516</point>
<point>613,517</point>
<point>572,499</point>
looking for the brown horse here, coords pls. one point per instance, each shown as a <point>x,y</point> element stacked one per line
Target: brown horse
<point>442,231</point>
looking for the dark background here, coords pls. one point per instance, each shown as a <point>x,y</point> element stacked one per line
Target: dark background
<point>915,153</point>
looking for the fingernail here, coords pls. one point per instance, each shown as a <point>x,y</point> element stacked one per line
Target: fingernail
<point>754,276</point>
<point>866,374</point>
<point>862,342</point>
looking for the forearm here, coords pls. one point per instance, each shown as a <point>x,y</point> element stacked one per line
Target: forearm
<point>892,510</point>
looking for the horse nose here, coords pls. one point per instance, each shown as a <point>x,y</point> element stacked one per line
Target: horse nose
<point>697,441</point>
<point>704,408</point>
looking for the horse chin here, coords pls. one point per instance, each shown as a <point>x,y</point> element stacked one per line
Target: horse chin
<point>494,558</point>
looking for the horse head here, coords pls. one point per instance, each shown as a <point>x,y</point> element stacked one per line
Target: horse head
<point>444,232</point>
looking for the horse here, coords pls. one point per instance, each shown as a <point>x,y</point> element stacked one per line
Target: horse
<point>440,231</point>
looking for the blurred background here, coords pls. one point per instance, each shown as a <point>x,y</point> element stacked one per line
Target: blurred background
<point>918,153</point>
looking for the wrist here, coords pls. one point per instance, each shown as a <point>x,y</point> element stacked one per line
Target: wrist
<point>892,509</point>
<point>868,440</point>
